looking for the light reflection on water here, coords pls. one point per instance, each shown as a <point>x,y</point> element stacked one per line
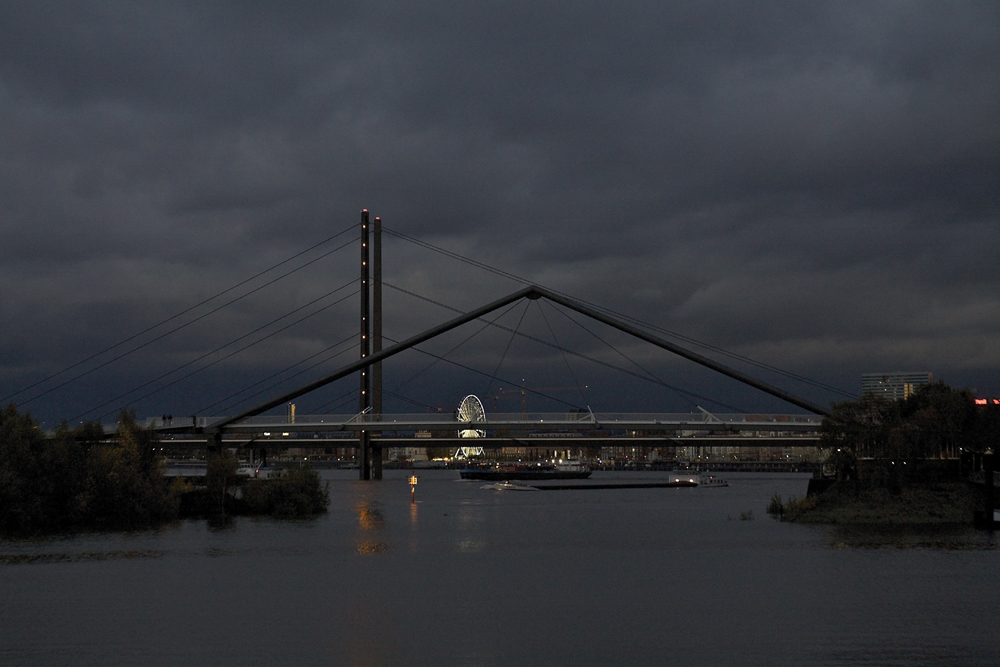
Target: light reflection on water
<point>371,523</point>
<point>471,577</point>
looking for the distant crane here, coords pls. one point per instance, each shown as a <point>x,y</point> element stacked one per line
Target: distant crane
<point>523,389</point>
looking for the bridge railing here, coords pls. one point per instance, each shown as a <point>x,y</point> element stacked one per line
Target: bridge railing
<point>568,418</point>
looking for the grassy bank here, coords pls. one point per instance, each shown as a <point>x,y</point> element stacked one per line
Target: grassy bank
<point>855,503</point>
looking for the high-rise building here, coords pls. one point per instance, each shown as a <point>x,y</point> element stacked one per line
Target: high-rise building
<point>894,385</point>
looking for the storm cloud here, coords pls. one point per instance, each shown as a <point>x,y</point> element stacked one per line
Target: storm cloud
<point>812,185</point>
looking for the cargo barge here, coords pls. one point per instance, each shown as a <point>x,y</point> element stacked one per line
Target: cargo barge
<point>502,473</point>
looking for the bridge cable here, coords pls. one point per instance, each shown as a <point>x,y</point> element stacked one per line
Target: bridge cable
<point>351,395</point>
<point>172,317</point>
<point>489,387</point>
<point>186,324</point>
<point>577,354</point>
<point>429,408</point>
<point>223,358</point>
<point>219,360</point>
<point>205,409</point>
<point>623,355</point>
<point>486,324</point>
<point>609,311</point>
<point>474,370</point>
<point>579,388</point>
<point>634,320</point>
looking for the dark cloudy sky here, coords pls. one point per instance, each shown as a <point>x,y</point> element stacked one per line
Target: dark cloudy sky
<point>810,184</point>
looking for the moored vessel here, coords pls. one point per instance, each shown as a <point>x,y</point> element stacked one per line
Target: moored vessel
<point>500,473</point>
<point>694,478</point>
<point>508,486</point>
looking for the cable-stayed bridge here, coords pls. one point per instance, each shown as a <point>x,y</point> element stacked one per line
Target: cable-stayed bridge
<point>370,428</point>
<point>371,450</point>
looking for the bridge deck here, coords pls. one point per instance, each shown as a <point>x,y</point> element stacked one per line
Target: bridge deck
<point>581,423</point>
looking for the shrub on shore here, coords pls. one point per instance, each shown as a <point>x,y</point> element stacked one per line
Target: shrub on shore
<point>852,502</point>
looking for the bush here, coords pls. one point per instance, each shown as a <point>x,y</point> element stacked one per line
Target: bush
<point>776,508</point>
<point>290,494</point>
<point>220,475</point>
<point>796,507</point>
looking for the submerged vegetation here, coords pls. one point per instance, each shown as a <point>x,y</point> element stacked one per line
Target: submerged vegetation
<point>295,493</point>
<point>852,502</point>
<point>82,479</point>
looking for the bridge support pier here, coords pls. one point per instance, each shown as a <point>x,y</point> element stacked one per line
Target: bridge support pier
<point>376,368</point>
<point>365,455</point>
<point>376,454</point>
<point>364,394</point>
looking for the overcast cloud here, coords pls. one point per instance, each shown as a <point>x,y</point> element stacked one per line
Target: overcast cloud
<point>810,184</point>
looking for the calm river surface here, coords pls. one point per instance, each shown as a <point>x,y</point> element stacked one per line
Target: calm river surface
<point>474,577</point>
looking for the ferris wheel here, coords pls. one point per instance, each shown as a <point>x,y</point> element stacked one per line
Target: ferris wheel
<point>471,410</point>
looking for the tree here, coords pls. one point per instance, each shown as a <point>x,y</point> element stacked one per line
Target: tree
<point>21,506</point>
<point>933,422</point>
<point>127,488</point>
<point>938,418</point>
<point>863,427</point>
<point>220,475</point>
<point>77,478</point>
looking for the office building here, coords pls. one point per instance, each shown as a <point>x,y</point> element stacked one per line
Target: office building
<point>894,385</point>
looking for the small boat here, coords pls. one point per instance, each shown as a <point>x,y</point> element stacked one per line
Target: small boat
<point>253,471</point>
<point>693,478</point>
<point>712,480</point>
<point>432,464</point>
<point>508,486</point>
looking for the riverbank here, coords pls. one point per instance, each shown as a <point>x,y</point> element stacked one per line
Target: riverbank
<point>853,503</point>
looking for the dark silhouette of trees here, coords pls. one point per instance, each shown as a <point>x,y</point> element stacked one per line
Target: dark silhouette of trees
<point>80,477</point>
<point>935,422</point>
<point>220,477</point>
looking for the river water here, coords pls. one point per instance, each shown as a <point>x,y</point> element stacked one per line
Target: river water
<point>472,577</point>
